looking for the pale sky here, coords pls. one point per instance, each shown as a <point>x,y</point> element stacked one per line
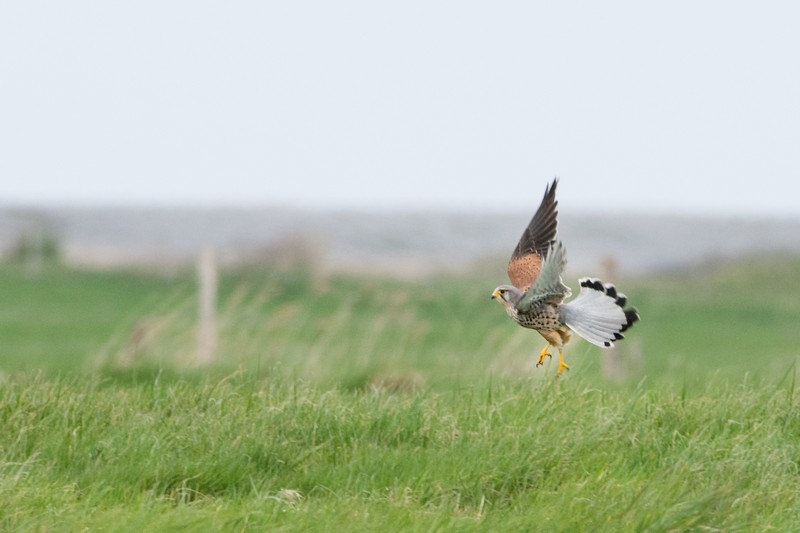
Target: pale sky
<point>675,107</point>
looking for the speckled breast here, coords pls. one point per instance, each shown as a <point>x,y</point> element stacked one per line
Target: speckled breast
<point>544,317</point>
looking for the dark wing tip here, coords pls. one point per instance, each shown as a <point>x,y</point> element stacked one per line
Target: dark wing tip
<point>536,240</point>
<point>551,189</point>
<point>541,230</point>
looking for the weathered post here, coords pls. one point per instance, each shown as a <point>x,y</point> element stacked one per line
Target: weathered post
<point>613,364</point>
<point>207,307</point>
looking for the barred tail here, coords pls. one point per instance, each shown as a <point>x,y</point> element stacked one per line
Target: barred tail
<point>598,314</point>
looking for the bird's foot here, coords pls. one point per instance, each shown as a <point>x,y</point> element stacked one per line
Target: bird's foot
<point>542,355</point>
<point>561,364</point>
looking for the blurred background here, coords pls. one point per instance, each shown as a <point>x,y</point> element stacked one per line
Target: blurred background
<point>331,191</point>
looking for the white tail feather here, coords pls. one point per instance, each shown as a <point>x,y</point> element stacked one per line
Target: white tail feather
<point>595,315</point>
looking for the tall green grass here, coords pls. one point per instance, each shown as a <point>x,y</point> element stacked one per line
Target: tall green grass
<point>723,320</point>
<point>60,319</point>
<point>241,453</point>
<point>375,404</point>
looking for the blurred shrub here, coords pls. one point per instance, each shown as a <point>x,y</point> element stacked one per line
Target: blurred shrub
<point>35,249</point>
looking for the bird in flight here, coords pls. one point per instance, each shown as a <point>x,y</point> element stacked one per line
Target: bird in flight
<point>535,298</point>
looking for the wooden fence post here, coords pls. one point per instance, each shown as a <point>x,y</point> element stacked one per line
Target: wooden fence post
<point>207,307</point>
<point>614,367</point>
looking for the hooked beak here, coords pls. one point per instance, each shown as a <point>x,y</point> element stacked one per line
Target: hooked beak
<point>495,294</point>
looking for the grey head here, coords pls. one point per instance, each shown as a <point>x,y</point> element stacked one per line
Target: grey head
<point>508,295</point>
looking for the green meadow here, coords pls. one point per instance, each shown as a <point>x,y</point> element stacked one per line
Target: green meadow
<point>339,403</point>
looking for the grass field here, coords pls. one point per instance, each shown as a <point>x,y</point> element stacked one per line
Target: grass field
<point>339,404</point>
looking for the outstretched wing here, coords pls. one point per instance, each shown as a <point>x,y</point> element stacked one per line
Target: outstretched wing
<point>548,285</point>
<point>533,246</point>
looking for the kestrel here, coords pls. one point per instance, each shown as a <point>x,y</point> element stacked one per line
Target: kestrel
<point>535,299</point>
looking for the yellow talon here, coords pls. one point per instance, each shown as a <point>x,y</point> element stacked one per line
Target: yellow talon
<point>542,355</point>
<point>561,364</point>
